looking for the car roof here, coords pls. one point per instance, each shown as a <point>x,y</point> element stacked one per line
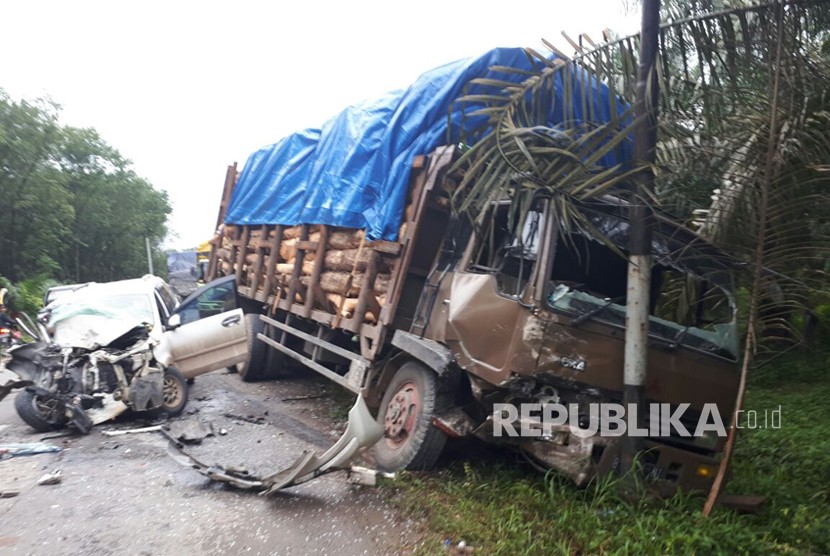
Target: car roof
<point>133,286</point>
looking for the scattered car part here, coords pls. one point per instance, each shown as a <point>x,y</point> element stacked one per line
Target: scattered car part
<point>362,432</point>
<point>27,449</point>
<point>153,428</point>
<point>9,381</point>
<point>367,477</point>
<point>189,431</point>
<point>53,478</point>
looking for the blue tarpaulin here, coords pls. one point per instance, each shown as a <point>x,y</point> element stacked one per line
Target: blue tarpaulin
<point>354,172</point>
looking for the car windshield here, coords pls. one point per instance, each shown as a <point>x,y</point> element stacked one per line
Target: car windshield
<point>89,319</point>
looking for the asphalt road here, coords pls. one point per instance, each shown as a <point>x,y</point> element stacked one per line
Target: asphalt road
<point>124,495</point>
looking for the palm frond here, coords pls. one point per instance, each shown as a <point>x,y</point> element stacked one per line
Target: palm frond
<point>724,132</point>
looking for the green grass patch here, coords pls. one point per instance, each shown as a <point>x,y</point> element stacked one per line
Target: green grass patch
<point>505,507</point>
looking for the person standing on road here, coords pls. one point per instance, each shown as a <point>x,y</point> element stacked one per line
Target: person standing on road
<point>5,319</point>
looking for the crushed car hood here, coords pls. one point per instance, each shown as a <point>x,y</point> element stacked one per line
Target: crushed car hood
<point>95,319</point>
<point>89,331</point>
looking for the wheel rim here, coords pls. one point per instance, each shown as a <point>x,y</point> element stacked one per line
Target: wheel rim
<point>402,414</point>
<point>172,392</point>
<point>48,409</point>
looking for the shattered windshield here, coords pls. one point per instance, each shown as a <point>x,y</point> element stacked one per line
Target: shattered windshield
<point>691,301</point>
<point>91,320</point>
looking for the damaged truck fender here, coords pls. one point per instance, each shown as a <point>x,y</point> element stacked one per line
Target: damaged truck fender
<point>432,354</point>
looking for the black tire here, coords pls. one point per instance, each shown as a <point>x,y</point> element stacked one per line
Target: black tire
<point>254,368</point>
<point>410,441</point>
<point>174,391</point>
<point>264,362</point>
<point>275,360</point>
<point>32,410</point>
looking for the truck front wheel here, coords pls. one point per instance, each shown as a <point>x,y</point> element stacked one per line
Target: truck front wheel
<point>409,404</point>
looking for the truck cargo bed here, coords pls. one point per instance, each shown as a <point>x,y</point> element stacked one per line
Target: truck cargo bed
<point>362,286</point>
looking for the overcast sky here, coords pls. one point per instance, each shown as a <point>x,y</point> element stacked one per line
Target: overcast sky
<point>184,88</point>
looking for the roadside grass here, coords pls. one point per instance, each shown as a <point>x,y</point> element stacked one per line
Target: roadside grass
<point>505,507</point>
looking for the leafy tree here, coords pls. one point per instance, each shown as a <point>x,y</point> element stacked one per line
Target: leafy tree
<point>114,210</point>
<point>33,226</point>
<point>74,209</point>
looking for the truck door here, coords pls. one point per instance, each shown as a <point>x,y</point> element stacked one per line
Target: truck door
<point>207,331</point>
<point>490,307</point>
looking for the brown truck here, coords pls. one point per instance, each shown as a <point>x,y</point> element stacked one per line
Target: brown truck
<point>445,330</point>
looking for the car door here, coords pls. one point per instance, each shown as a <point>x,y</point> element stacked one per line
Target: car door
<point>207,331</point>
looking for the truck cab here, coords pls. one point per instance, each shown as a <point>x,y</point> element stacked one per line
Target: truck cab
<point>534,312</point>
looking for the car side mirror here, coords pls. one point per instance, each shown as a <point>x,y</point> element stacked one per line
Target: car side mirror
<point>174,322</point>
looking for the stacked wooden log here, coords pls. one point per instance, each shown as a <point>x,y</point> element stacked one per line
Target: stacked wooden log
<point>345,262</point>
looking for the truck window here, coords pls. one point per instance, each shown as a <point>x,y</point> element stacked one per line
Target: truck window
<point>509,250</point>
<point>688,300</point>
<point>588,280</point>
<point>590,266</point>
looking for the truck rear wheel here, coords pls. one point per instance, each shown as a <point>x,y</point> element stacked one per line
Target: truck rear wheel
<point>263,362</point>
<point>409,404</point>
<point>253,369</point>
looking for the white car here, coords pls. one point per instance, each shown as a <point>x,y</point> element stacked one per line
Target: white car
<point>104,349</point>
<point>203,333</point>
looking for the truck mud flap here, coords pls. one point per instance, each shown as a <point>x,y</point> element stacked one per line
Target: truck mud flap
<point>362,432</point>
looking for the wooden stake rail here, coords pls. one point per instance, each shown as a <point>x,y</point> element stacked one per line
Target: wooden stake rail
<point>332,275</point>
<point>307,272</point>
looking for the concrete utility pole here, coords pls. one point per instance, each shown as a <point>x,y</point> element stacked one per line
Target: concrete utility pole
<point>149,255</point>
<point>639,214</point>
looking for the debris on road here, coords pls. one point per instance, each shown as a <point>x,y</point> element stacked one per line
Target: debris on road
<point>460,549</point>
<point>109,445</point>
<point>246,418</point>
<point>62,434</point>
<point>27,449</point>
<point>10,381</point>
<point>132,431</point>
<point>190,431</point>
<point>50,478</point>
<point>367,477</point>
<point>298,398</point>
<point>362,432</point>
<point>234,476</point>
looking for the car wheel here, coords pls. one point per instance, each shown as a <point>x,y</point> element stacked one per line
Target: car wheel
<point>174,391</point>
<point>41,414</point>
<point>409,404</point>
